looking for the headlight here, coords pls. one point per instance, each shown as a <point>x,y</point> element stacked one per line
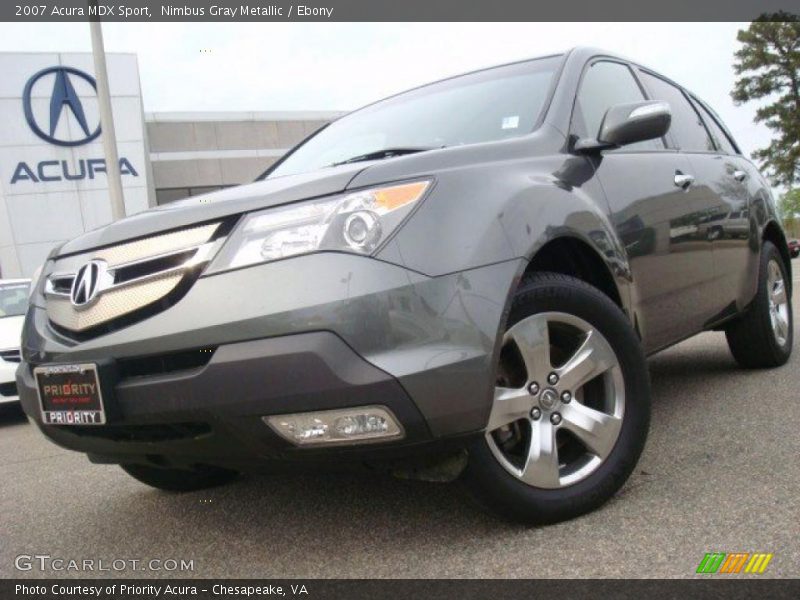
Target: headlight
<point>37,275</point>
<point>356,222</point>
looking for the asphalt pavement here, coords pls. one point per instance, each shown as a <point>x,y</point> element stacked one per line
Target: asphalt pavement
<point>721,472</point>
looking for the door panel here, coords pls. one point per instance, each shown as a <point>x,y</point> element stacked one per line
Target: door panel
<point>725,225</point>
<point>656,219</point>
<point>721,207</point>
<point>739,187</point>
<point>743,274</point>
<point>658,223</point>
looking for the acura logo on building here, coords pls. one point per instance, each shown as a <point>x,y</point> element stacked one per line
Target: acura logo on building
<point>55,126</point>
<point>86,284</point>
<point>63,97</point>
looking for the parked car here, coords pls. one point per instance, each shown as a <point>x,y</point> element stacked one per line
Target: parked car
<point>724,223</point>
<point>466,277</point>
<point>794,248</point>
<point>13,305</point>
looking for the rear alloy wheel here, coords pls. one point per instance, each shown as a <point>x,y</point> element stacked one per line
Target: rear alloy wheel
<point>571,405</point>
<point>763,336</point>
<point>778,302</point>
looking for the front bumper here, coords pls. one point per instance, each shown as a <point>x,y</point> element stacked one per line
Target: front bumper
<point>310,333</point>
<point>212,414</point>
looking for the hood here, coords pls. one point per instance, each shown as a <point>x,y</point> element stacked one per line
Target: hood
<point>304,186</point>
<point>216,205</point>
<point>10,332</point>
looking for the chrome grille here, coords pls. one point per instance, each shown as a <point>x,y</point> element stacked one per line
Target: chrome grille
<point>112,304</point>
<point>127,277</point>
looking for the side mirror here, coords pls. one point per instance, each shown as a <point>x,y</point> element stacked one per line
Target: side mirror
<point>629,123</point>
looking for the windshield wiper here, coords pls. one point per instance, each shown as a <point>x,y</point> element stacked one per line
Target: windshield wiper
<point>385,153</point>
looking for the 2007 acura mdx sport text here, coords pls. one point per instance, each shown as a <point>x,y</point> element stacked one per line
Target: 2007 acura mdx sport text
<point>462,280</point>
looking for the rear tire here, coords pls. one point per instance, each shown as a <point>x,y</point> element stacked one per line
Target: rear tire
<point>562,474</point>
<point>763,336</point>
<point>180,480</point>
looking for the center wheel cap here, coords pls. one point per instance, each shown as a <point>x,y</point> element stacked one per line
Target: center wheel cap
<point>549,399</point>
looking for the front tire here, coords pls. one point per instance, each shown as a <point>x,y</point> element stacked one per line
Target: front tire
<point>180,480</point>
<point>763,336</point>
<point>572,405</point>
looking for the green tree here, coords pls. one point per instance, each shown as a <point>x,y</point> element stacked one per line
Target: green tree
<point>767,67</point>
<point>789,209</point>
<point>789,205</point>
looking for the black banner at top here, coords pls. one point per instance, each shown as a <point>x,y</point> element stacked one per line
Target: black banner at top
<point>389,10</point>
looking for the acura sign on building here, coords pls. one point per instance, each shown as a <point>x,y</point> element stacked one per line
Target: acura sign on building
<point>53,183</point>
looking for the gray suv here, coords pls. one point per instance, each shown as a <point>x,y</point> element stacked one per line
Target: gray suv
<point>460,281</point>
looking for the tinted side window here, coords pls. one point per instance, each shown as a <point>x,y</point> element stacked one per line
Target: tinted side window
<point>604,85</point>
<point>720,137</point>
<point>686,128</point>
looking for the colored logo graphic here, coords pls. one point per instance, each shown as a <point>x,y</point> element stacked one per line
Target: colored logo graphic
<point>732,563</point>
<point>63,97</point>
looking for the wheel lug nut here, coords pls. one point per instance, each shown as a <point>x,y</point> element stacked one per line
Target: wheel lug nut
<point>555,418</point>
<point>536,413</point>
<point>533,388</point>
<point>566,397</point>
<point>552,379</point>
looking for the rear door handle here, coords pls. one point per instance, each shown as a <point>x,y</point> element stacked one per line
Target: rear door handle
<point>739,175</point>
<point>683,180</point>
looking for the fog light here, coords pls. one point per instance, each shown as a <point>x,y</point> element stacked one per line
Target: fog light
<point>341,426</point>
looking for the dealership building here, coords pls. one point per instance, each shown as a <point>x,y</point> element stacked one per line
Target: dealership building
<point>53,183</point>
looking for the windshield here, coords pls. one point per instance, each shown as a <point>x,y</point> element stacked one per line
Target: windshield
<point>13,299</point>
<point>489,105</point>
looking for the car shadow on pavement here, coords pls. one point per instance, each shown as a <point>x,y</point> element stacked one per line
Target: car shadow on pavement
<point>690,371</point>
<point>689,363</point>
<point>290,522</point>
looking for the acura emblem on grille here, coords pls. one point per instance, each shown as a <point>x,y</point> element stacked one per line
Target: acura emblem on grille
<point>86,284</point>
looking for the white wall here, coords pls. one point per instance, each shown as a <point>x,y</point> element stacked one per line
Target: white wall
<point>35,216</point>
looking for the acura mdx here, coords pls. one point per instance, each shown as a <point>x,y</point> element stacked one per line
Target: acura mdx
<point>461,281</point>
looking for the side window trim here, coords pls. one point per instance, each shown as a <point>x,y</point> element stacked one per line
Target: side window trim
<point>717,149</point>
<point>717,121</point>
<point>632,68</point>
<point>688,97</point>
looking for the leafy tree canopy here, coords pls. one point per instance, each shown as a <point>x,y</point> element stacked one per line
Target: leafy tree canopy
<point>767,67</point>
<point>789,204</point>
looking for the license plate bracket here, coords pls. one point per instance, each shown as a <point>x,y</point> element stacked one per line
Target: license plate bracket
<point>70,394</point>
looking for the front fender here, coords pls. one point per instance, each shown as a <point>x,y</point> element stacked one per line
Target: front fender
<point>503,210</point>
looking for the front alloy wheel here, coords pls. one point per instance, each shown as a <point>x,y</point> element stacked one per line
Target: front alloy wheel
<point>571,405</point>
<point>563,421</point>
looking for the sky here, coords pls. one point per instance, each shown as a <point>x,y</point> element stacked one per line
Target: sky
<point>341,66</point>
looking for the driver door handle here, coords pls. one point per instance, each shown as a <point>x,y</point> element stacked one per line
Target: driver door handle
<point>683,180</point>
